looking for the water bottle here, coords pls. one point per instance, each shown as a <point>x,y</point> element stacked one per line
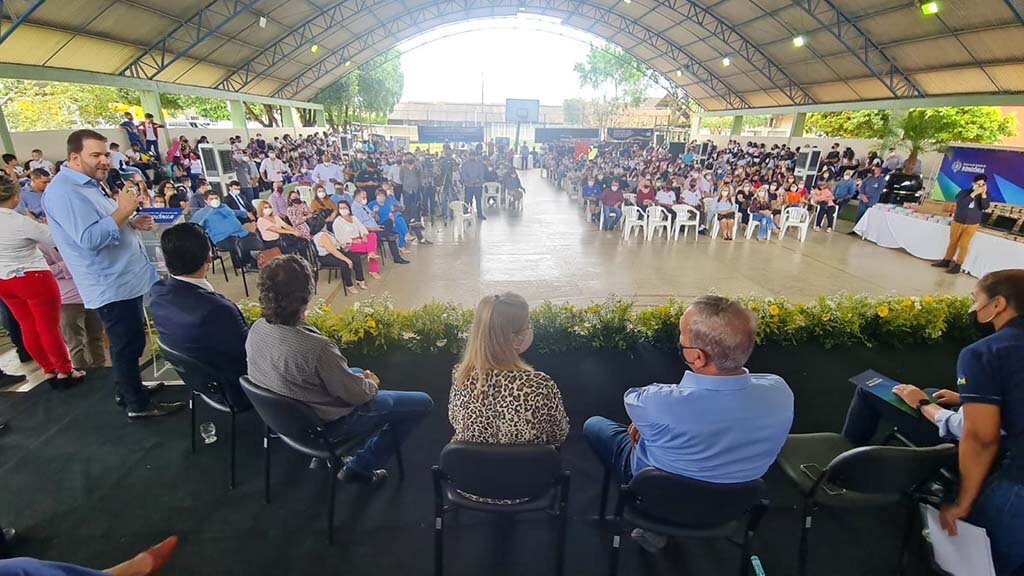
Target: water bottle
<point>208,432</point>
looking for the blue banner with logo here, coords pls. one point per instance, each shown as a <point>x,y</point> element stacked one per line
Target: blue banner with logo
<point>629,134</point>
<point>565,134</point>
<point>1004,168</point>
<point>162,215</point>
<point>437,134</point>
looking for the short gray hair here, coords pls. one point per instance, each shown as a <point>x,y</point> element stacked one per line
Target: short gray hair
<point>724,330</point>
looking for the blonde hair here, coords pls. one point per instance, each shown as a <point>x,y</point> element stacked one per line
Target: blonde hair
<point>261,205</point>
<point>499,319</point>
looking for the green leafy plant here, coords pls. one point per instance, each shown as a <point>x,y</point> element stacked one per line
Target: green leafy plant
<point>374,325</point>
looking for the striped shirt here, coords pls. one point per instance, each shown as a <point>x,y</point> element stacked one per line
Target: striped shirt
<point>300,363</point>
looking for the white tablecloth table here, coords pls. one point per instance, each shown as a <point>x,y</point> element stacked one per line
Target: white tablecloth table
<point>928,240</point>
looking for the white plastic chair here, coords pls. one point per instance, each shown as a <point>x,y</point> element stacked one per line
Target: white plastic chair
<point>492,190</point>
<point>715,226</point>
<point>753,225</point>
<point>658,219</point>
<point>350,187</point>
<point>256,203</point>
<point>633,218</point>
<point>686,217</point>
<point>629,198</point>
<point>709,213</point>
<point>305,192</point>
<point>795,217</point>
<point>461,216</point>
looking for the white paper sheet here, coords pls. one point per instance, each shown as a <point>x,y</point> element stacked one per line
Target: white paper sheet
<point>966,554</point>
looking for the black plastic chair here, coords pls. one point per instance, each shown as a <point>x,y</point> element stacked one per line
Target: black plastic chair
<point>682,507</point>
<point>831,472</point>
<point>529,475</point>
<point>300,428</point>
<point>203,383</point>
<point>235,254</point>
<point>318,266</point>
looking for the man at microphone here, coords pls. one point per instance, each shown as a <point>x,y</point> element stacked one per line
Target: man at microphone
<point>97,233</point>
<point>970,203</point>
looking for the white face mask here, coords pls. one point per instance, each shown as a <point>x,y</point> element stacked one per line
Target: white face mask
<point>321,194</point>
<point>268,211</point>
<point>215,203</point>
<point>343,212</point>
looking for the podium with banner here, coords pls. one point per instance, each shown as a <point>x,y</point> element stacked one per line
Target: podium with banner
<point>163,218</point>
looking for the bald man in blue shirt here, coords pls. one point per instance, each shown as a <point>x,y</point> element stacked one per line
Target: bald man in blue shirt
<point>719,424</point>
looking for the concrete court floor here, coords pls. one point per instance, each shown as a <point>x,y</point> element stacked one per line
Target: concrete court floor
<point>548,252</point>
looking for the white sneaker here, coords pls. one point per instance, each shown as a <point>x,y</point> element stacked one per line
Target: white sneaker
<point>650,541</point>
<point>817,228</point>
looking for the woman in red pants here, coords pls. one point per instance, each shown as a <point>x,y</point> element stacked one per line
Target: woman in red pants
<point>29,289</point>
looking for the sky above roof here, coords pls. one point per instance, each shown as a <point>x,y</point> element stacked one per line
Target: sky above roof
<point>529,56</point>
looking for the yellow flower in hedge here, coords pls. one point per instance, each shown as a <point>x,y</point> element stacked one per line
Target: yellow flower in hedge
<point>907,303</point>
<point>370,323</point>
<point>774,310</point>
<point>826,317</point>
<point>928,300</point>
<point>883,311</point>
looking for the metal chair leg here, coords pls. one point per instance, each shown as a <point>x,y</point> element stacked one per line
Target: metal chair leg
<point>332,469</point>
<point>245,284</point>
<point>619,534</point>
<point>266,464</point>
<point>563,523</point>
<point>231,478</point>
<point>192,417</point>
<point>438,523</point>
<point>805,532</point>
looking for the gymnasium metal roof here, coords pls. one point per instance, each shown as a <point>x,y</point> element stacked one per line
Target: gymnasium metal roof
<point>855,50</point>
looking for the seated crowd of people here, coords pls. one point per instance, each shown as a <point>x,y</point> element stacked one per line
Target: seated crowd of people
<point>719,424</point>
<point>737,184</point>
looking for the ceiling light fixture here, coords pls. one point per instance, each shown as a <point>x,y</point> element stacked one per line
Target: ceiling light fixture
<point>726,61</point>
<point>929,8</point>
<point>349,63</point>
<point>798,41</point>
<point>263,22</point>
<point>314,48</point>
<point>679,73</point>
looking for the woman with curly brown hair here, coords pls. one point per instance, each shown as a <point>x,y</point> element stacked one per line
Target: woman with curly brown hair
<point>288,356</point>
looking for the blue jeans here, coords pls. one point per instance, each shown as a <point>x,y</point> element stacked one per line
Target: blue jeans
<point>862,207</point>
<point>609,212</point>
<point>125,324</point>
<point>153,147</point>
<point>767,224</point>
<point>33,566</point>
<point>999,509</point>
<point>611,444</point>
<point>390,413</point>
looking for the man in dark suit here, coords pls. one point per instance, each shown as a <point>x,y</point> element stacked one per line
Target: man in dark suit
<point>235,200</point>
<point>192,318</point>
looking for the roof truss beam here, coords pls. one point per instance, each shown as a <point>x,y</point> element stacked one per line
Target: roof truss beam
<point>293,41</point>
<point>205,23</point>
<point>727,34</point>
<point>17,21</point>
<point>849,34</point>
<point>385,34</point>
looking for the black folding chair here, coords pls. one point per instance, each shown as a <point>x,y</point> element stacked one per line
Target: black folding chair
<point>682,507</point>
<point>530,476</point>
<point>235,254</point>
<point>831,472</point>
<point>299,427</point>
<point>203,383</point>
<point>314,259</point>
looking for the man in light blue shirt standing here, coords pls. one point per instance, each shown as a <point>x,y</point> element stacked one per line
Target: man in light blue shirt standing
<point>98,237</point>
<point>719,424</point>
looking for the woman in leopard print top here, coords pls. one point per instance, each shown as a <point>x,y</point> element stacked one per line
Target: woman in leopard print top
<point>496,397</point>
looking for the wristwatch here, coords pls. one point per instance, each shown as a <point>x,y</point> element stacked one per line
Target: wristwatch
<point>922,403</point>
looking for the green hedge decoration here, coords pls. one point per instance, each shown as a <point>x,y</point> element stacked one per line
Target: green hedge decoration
<point>374,326</point>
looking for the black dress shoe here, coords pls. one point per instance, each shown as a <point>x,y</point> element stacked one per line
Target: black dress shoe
<point>350,476</point>
<point>150,389</point>
<point>954,269</point>
<point>941,264</point>
<point>401,261</point>
<point>11,379</point>
<point>156,409</point>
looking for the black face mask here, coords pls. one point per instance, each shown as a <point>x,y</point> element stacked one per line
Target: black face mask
<point>982,329</point>
<point>296,201</point>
